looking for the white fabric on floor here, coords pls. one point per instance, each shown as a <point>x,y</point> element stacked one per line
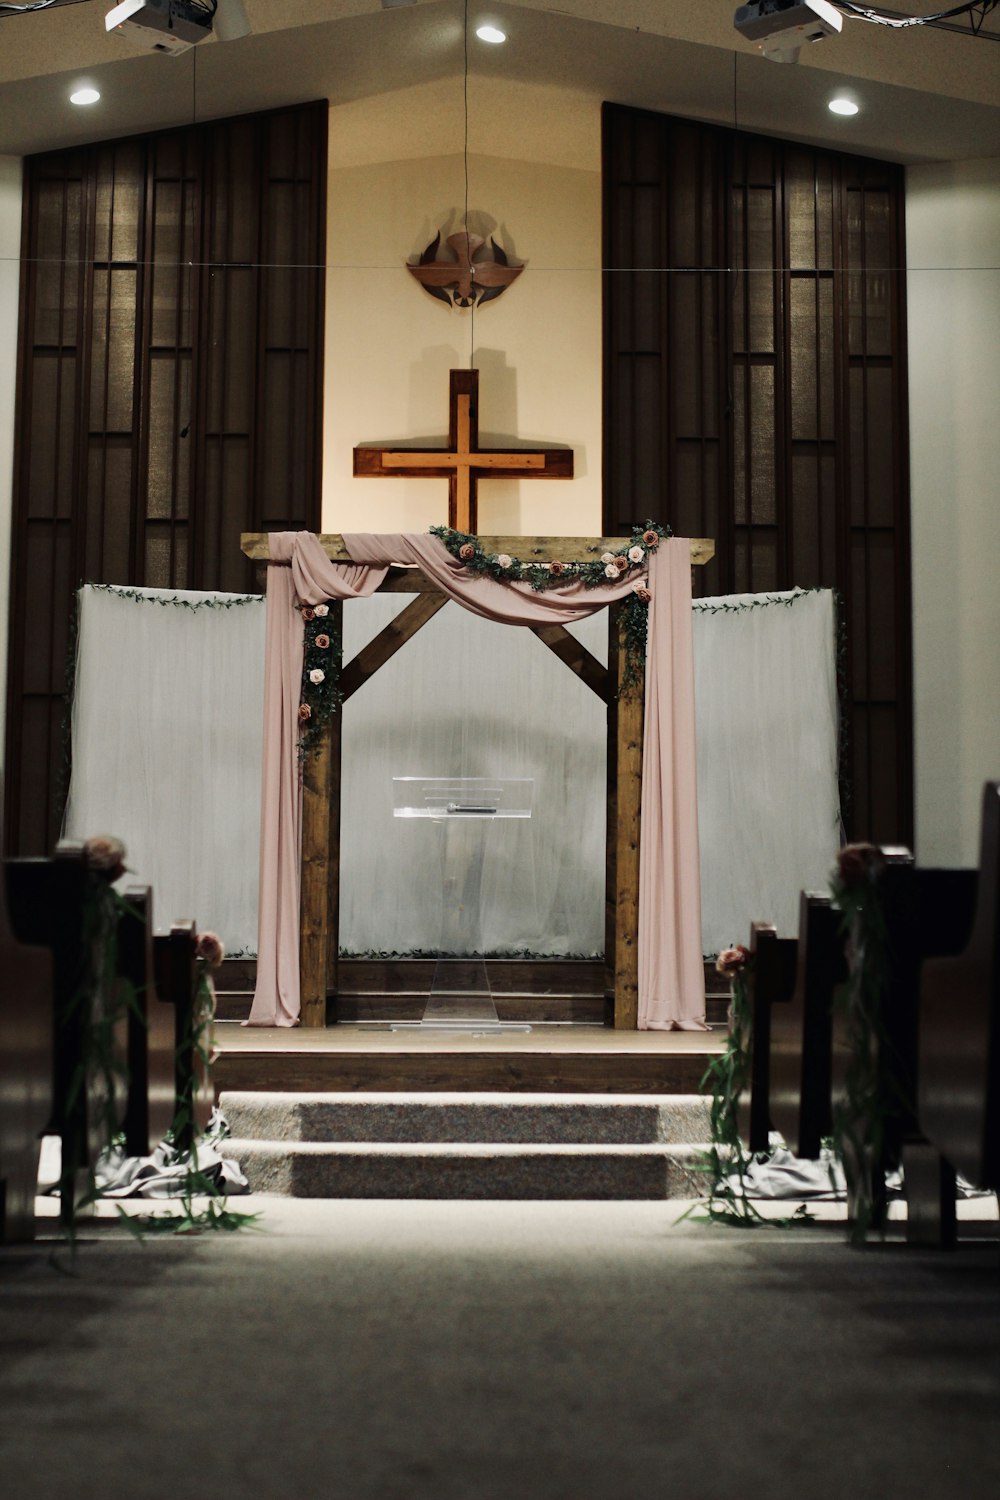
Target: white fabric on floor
<point>164,690</point>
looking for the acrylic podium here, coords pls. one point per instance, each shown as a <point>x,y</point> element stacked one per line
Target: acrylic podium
<point>460,813</point>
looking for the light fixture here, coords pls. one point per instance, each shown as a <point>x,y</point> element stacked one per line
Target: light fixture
<point>490,34</point>
<point>84,96</point>
<point>841,105</point>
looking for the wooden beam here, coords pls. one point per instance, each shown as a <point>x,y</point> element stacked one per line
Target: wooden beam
<point>621,952</point>
<point>320,894</point>
<point>527,548</point>
<point>576,656</point>
<point>388,641</point>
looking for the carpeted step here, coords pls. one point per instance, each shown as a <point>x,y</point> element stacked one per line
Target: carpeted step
<point>485,1118</point>
<point>307,1169</point>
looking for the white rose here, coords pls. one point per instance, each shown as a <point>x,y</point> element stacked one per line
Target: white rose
<point>503,561</point>
<point>317,676</point>
<point>321,611</point>
<point>611,571</point>
<point>636,554</point>
<point>607,558</point>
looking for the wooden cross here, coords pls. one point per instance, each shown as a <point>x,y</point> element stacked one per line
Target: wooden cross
<point>462,460</point>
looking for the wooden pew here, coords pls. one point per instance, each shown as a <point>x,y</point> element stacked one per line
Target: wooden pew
<point>770,983</point>
<point>46,903</point>
<point>152,1085</point>
<point>958,1088</point>
<point>175,964</point>
<point>26,1029</point>
<point>801,1031</point>
<point>924,912</point>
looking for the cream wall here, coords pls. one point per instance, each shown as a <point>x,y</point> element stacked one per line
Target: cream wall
<point>390,345</point>
<point>953,296</point>
<point>10,251</point>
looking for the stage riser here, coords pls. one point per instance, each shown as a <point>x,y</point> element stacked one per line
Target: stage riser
<point>481,1119</point>
<point>517,1173</point>
<point>583,1010</point>
<point>461,1072</point>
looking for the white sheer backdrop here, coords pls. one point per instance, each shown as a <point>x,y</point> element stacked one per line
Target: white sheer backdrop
<point>167,729</point>
<point>166,748</point>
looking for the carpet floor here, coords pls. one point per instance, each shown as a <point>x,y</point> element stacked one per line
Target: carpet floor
<point>374,1350</point>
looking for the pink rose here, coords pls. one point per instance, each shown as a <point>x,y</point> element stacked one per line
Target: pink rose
<point>321,611</point>
<point>210,949</point>
<point>607,558</point>
<point>305,712</point>
<point>611,571</point>
<point>308,614</point>
<point>621,563</point>
<point>651,538</point>
<point>556,567</point>
<point>642,593</point>
<point>854,862</point>
<point>636,554</point>
<point>105,855</point>
<point>316,676</point>
<point>466,551</point>
<point>731,960</point>
<point>503,561</point>
<point>322,642</point>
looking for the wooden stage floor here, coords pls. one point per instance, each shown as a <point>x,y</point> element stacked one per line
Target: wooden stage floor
<point>551,1058</point>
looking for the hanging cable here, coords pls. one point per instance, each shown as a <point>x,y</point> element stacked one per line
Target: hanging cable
<point>465,161</point>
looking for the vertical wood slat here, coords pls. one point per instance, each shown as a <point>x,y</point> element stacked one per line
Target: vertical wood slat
<point>783,498</point>
<point>315,897</point>
<point>97,523</point>
<point>621,954</point>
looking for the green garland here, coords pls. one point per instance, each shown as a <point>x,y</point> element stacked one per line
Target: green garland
<point>861,1114</point>
<point>727,1162</point>
<point>236,601</point>
<point>321,696</point>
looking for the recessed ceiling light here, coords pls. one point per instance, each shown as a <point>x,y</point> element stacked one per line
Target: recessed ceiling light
<point>84,96</point>
<point>842,106</point>
<point>490,34</point>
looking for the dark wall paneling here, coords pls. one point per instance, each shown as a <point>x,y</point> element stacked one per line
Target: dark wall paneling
<point>755,391</point>
<point>169,390</point>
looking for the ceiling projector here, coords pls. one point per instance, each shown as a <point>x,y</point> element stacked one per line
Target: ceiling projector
<point>161,25</point>
<point>779,27</point>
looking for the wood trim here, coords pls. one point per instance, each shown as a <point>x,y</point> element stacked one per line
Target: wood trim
<point>540,549</point>
<point>625,730</point>
<point>574,655</point>
<point>388,641</point>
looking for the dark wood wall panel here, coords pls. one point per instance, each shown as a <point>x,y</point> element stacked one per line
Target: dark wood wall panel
<point>170,387</point>
<point>754,391</point>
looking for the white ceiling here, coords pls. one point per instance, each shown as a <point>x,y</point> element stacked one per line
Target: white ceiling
<point>926,94</point>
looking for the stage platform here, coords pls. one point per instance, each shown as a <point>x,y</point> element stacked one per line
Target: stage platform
<point>550,1058</point>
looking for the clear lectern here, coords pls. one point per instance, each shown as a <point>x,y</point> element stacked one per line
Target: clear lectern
<point>461,811</point>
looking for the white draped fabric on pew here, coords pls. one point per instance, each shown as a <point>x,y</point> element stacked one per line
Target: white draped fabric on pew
<point>164,691</point>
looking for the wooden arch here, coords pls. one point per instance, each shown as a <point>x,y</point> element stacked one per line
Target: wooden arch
<point>320,901</point>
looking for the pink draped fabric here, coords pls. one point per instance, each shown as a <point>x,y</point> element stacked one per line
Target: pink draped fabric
<point>300,568</point>
<point>671,971</point>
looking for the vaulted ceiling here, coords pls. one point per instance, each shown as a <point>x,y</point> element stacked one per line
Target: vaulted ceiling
<point>925,94</point>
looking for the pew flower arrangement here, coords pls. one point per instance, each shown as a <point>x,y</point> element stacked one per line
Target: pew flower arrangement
<point>321,696</point>
<point>861,1113</point>
<point>727,1162</point>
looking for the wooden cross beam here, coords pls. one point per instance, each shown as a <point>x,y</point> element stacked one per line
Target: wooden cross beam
<point>464,462</point>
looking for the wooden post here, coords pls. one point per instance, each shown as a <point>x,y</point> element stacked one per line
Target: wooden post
<point>621,952</point>
<point>320,898</point>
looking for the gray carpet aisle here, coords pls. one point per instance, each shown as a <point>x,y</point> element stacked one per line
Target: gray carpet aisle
<point>498,1351</point>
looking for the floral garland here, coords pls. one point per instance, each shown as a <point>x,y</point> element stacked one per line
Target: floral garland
<point>321,696</point>
<point>727,1162</point>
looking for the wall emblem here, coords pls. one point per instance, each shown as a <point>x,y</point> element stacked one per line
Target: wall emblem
<point>471,276</point>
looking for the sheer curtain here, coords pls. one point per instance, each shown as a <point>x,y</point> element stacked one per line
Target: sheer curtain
<point>167,728</point>
<point>166,754</point>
